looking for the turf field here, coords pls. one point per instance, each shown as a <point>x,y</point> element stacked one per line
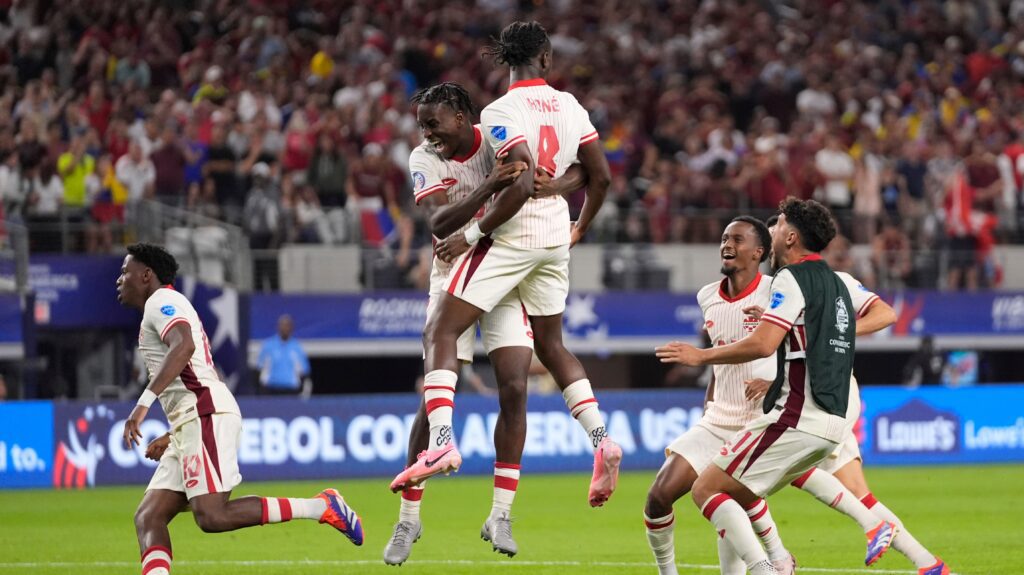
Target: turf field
<point>969,515</point>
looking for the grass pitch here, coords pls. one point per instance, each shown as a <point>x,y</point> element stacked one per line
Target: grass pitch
<point>968,515</point>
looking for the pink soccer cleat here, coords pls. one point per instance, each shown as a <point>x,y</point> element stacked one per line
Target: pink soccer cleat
<point>879,541</point>
<point>606,472</point>
<point>428,463</point>
<point>938,569</point>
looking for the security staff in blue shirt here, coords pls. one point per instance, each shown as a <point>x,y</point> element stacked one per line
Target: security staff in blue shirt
<point>284,367</point>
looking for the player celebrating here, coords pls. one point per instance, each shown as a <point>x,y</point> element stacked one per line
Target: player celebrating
<point>725,306</point>
<point>453,177</point>
<point>808,411</point>
<point>523,242</point>
<point>198,460</point>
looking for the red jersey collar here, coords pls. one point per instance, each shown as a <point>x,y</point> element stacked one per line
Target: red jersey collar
<point>170,287</point>
<point>477,138</point>
<point>810,258</point>
<point>528,83</point>
<point>746,291</point>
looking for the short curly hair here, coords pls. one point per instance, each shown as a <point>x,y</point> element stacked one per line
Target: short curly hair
<point>157,259</point>
<point>812,221</point>
<point>761,230</point>
<point>449,93</point>
<point>518,43</point>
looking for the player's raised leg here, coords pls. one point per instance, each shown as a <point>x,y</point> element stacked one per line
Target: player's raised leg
<point>511,367</point>
<point>580,400</point>
<point>852,477</point>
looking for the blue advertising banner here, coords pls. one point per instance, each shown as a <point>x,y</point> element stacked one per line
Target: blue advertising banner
<point>366,436</point>
<point>10,318</point>
<point>78,292</point>
<point>943,425</point>
<point>26,443</point>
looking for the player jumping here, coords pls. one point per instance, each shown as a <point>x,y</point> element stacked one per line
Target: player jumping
<point>198,457</point>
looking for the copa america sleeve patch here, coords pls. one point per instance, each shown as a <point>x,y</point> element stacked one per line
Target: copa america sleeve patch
<point>499,133</point>
<point>777,299</point>
<point>168,310</point>
<point>418,180</point>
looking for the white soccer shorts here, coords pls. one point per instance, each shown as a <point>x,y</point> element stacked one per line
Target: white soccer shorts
<point>700,444</point>
<point>485,274</point>
<point>766,456</point>
<point>847,451</point>
<point>202,457</point>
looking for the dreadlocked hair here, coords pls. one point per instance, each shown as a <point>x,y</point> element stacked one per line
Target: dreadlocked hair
<point>453,95</point>
<point>518,43</point>
<point>157,259</point>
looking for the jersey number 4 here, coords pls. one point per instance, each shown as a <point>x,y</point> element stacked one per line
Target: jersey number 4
<point>547,149</point>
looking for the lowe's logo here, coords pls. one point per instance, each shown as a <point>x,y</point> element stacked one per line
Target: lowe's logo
<point>917,427</point>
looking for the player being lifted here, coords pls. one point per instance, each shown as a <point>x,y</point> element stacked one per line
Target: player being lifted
<point>454,176</point>
<point>726,307</point>
<point>198,457</point>
<point>839,481</point>
<point>808,411</point>
<point>520,242</point>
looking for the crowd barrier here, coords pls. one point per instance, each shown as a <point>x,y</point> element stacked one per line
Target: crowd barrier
<point>78,444</point>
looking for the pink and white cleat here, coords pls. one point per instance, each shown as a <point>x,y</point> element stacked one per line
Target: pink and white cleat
<point>606,472</point>
<point>428,464</point>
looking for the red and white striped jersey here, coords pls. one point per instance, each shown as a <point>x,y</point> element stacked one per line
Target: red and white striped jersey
<point>726,323</point>
<point>786,310</point>
<point>553,125</point>
<point>198,390</point>
<point>457,177</point>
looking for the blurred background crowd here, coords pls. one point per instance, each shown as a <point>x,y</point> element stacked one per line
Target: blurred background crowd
<point>290,119</point>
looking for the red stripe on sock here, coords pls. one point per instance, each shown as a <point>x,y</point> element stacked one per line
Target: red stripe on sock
<point>759,514</point>
<point>156,564</point>
<point>765,532</point>
<point>656,526</point>
<point>501,482</point>
<point>444,387</point>
<point>591,400</point>
<point>836,500</point>
<point>869,500</point>
<point>412,494</point>
<point>712,505</point>
<point>501,465</point>
<point>799,481</point>
<point>753,505</point>
<point>265,518</point>
<point>439,402</point>
<point>157,548</point>
<point>286,509</point>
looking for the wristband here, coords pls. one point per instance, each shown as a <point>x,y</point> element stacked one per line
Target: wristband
<point>147,398</point>
<point>473,234</point>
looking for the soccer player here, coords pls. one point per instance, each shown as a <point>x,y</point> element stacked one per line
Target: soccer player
<point>839,481</point>
<point>198,460</point>
<point>745,244</point>
<point>521,242</point>
<point>808,411</point>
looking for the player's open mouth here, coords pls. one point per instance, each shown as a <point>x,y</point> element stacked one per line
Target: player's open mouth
<point>438,145</point>
<point>728,256</point>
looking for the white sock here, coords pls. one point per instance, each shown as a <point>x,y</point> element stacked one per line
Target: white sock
<point>904,542</point>
<point>764,526</point>
<point>410,507</point>
<point>281,509</point>
<point>156,561</point>
<point>439,394</point>
<point>728,560</point>
<point>660,532</point>
<point>506,481</point>
<point>733,525</point>
<point>579,398</point>
<point>830,491</point>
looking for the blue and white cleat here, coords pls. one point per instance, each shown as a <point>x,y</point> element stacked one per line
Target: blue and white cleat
<point>879,541</point>
<point>938,569</point>
<point>341,517</point>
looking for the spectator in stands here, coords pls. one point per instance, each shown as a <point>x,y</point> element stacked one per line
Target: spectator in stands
<point>74,166</point>
<point>44,206</point>
<point>284,366</point>
<point>890,254</point>
<point>107,197</point>
<point>169,162</point>
<point>137,174</point>
<point>373,183</point>
<point>262,222</point>
<point>328,172</point>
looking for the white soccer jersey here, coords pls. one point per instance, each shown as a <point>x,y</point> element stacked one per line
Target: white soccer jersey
<point>553,125</point>
<point>457,177</point>
<point>198,390</point>
<point>861,296</point>
<point>786,310</point>
<point>726,323</point>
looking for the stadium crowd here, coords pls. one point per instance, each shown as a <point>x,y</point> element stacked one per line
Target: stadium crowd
<point>291,118</point>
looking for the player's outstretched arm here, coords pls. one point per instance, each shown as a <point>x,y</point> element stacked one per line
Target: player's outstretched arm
<point>878,317</point>
<point>765,340</point>
<point>508,202</point>
<point>181,348</point>
<point>446,218</point>
<point>599,177</point>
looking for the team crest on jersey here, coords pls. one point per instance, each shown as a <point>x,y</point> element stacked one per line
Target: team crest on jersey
<point>418,180</point>
<point>777,299</point>
<point>499,133</point>
<point>750,323</point>
<point>842,315</point>
<point>167,310</point>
